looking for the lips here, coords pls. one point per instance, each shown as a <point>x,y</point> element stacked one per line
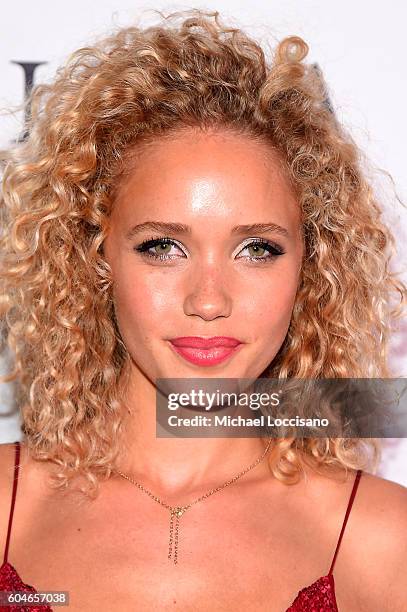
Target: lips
<point>205,343</point>
<point>205,351</point>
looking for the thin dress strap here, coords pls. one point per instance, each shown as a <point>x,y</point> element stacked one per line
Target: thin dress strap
<point>13,498</point>
<point>352,497</point>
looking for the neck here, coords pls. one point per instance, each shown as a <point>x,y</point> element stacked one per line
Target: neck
<point>175,466</point>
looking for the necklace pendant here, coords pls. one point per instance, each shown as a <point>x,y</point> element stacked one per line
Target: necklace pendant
<point>175,513</point>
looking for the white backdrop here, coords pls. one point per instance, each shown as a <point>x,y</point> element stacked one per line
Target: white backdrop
<point>359,46</point>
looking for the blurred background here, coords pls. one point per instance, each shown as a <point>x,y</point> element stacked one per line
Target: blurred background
<point>358,47</point>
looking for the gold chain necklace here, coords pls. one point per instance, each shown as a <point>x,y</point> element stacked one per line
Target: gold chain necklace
<point>177,511</point>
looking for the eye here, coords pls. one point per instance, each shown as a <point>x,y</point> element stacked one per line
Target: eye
<point>158,248</point>
<point>262,250</point>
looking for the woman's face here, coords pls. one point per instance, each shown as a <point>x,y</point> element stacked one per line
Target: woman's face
<point>229,265</point>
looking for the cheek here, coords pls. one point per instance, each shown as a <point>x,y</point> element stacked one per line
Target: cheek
<point>270,309</point>
<point>142,304</point>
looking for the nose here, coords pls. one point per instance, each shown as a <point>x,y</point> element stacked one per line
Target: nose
<point>207,295</point>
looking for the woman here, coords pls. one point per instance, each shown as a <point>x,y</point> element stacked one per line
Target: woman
<point>176,184</point>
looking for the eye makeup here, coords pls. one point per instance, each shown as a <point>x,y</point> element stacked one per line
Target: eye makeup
<point>269,247</point>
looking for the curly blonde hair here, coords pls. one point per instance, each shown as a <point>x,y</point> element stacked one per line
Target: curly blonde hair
<point>133,86</point>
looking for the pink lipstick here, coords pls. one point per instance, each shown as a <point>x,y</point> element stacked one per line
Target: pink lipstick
<point>205,351</point>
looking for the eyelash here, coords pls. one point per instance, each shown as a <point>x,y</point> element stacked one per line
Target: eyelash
<point>143,248</point>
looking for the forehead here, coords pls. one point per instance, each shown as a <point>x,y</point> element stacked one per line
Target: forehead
<point>194,175</point>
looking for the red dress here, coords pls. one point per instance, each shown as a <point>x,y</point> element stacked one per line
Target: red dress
<point>318,597</point>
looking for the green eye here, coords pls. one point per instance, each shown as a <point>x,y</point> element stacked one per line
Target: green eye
<point>262,251</point>
<point>257,251</point>
<point>158,248</point>
<point>163,248</point>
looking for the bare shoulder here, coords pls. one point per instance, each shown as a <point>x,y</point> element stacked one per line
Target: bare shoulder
<point>30,477</point>
<point>389,493</point>
<point>379,544</point>
<point>7,456</point>
<point>369,570</point>
<point>383,504</point>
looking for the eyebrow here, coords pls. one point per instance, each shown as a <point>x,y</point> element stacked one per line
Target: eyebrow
<point>180,228</point>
